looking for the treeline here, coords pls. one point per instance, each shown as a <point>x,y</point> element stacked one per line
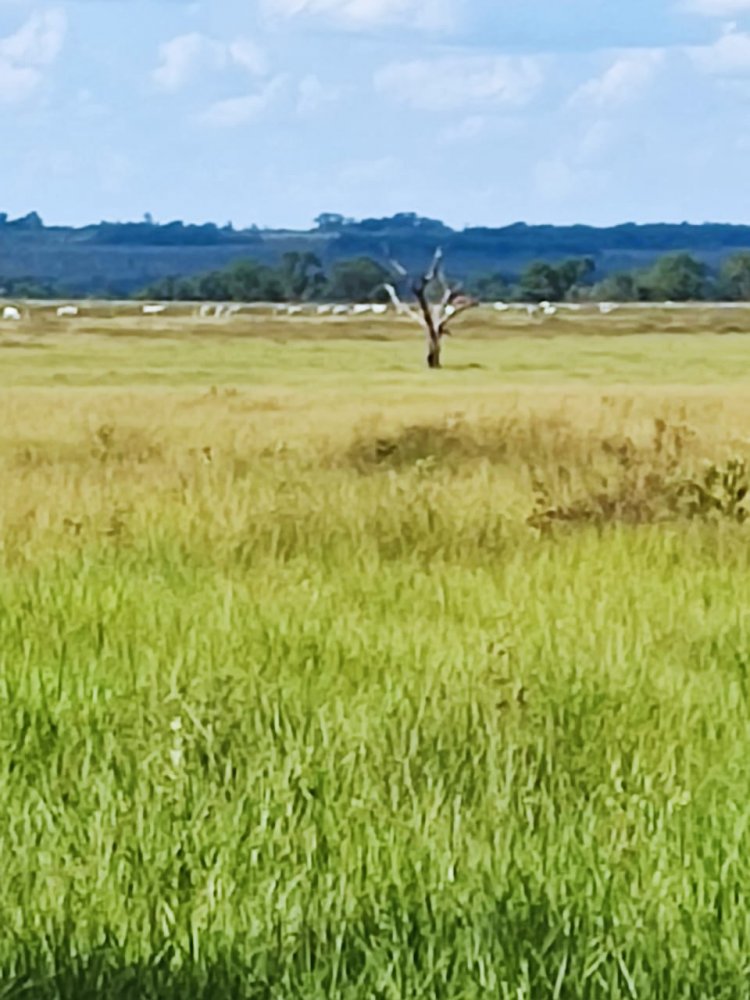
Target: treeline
<point>675,277</point>
<point>300,277</point>
<point>116,259</point>
<point>33,288</point>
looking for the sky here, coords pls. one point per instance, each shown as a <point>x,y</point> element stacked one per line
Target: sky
<point>476,112</point>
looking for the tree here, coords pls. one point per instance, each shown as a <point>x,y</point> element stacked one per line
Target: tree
<point>438,303</point>
<point>677,277</point>
<point>358,280</point>
<point>249,281</point>
<point>543,282</point>
<point>539,282</point>
<point>214,287</point>
<point>574,273</point>
<point>623,286</point>
<point>329,222</point>
<point>490,287</point>
<point>301,275</point>
<point>734,278</point>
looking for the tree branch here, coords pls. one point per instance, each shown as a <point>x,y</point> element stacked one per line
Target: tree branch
<point>401,307</point>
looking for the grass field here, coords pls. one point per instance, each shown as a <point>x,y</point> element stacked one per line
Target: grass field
<point>324,676</point>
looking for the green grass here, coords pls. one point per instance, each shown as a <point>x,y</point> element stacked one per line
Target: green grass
<point>647,359</point>
<point>316,713</point>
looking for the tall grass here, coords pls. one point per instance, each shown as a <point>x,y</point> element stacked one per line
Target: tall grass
<point>300,701</point>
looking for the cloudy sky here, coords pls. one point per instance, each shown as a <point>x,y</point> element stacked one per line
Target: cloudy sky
<point>473,111</point>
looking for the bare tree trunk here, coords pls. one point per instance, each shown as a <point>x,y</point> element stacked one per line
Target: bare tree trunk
<point>433,352</point>
<point>432,317</point>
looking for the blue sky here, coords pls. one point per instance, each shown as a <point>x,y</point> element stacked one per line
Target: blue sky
<point>474,111</point>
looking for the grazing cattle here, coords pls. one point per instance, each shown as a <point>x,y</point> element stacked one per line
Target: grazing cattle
<point>293,310</point>
<point>380,310</point>
<point>153,310</point>
<point>219,311</point>
<point>360,310</point>
<point>548,309</point>
<point>67,311</point>
<point>11,313</point>
<point>205,311</point>
<point>531,310</point>
<point>502,307</point>
<point>340,310</point>
<point>323,310</point>
<point>605,308</point>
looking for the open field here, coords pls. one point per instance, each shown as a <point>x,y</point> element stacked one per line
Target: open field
<point>324,676</point>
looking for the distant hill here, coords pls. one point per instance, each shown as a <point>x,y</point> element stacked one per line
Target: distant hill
<point>119,258</point>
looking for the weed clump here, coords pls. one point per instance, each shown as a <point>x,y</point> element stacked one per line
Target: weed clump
<point>450,441</point>
<point>644,486</point>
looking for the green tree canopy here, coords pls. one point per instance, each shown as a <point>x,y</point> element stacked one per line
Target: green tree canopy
<point>490,287</point>
<point>677,277</point>
<point>301,275</point>
<point>541,281</point>
<point>358,280</point>
<point>734,278</point>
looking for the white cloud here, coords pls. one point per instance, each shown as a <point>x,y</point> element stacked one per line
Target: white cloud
<point>425,14</point>
<point>186,55</point>
<point>234,111</point>
<point>718,8</point>
<point>624,81</point>
<point>247,55</point>
<point>729,55</point>
<point>451,83</point>
<point>25,54</point>
<point>313,95</point>
<point>16,82</point>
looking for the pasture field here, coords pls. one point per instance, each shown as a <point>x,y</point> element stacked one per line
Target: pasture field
<point>325,676</point>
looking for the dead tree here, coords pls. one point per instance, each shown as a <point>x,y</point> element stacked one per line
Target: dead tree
<point>438,303</point>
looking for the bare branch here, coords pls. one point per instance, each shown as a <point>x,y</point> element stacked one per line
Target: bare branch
<point>435,267</point>
<point>401,307</point>
<point>460,304</point>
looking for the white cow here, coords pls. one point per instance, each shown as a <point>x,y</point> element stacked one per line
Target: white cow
<point>67,311</point>
<point>293,310</point>
<point>153,310</point>
<point>323,310</point>
<point>360,310</point>
<point>502,307</point>
<point>547,308</point>
<point>11,313</point>
<point>219,311</point>
<point>205,311</point>
<point>340,310</point>
<point>605,308</point>
<point>531,310</point>
<point>380,310</point>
